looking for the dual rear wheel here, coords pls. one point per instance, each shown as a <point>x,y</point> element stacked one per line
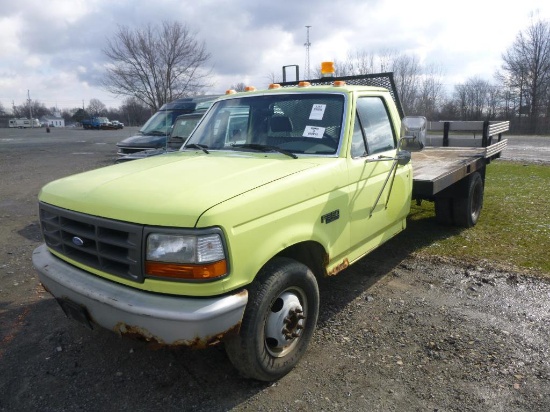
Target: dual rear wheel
<point>463,207</point>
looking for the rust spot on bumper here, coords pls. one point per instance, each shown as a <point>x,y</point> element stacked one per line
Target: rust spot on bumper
<point>338,268</point>
<point>138,333</point>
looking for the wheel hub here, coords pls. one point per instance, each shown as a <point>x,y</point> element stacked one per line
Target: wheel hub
<point>285,321</point>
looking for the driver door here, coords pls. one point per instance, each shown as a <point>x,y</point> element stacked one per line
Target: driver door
<point>381,193</point>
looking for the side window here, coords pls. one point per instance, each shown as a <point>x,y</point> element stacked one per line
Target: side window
<point>376,124</point>
<point>358,147</point>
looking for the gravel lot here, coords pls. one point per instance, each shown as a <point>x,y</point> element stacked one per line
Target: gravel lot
<point>397,332</point>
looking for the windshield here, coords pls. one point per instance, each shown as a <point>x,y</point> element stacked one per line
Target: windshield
<point>160,123</point>
<point>294,123</point>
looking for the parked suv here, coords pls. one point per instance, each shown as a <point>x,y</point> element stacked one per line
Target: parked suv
<point>154,133</point>
<point>181,129</point>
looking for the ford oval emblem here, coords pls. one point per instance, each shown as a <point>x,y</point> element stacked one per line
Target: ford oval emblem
<point>78,241</point>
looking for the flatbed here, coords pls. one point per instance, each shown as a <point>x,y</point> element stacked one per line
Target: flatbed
<point>437,168</point>
<point>450,171</point>
<point>454,151</point>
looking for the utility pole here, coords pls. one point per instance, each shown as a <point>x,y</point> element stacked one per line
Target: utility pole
<point>307,44</point>
<point>30,107</point>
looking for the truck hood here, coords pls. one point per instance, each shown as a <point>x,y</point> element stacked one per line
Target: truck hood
<point>168,190</point>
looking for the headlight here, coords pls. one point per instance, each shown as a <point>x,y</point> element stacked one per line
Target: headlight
<point>200,256</point>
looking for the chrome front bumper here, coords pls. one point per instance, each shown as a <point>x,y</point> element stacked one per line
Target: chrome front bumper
<point>166,319</point>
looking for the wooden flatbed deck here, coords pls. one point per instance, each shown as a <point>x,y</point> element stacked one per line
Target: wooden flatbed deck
<point>436,168</point>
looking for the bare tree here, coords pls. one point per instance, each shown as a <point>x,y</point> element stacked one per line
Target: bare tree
<point>359,62</point>
<point>420,89</point>
<point>79,115</point>
<point>527,70</point>
<point>133,112</point>
<point>430,94</point>
<point>239,87</point>
<point>273,78</point>
<point>386,58</point>
<point>68,114</point>
<point>473,99</point>
<point>494,102</point>
<point>407,74</point>
<point>449,110</point>
<point>31,106</point>
<point>96,107</point>
<point>509,103</point>
<point>156,64</point>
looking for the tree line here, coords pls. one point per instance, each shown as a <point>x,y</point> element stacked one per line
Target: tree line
<point>153,65</point>
<point>519,92</point>
<point>131,112</point>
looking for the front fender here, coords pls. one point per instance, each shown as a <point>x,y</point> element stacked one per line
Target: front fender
<point>269,221</point>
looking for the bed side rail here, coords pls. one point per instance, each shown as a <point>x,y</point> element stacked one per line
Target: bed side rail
<point>466,133</point>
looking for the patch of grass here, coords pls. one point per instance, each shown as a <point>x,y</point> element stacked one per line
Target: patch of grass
<point>514,226</point>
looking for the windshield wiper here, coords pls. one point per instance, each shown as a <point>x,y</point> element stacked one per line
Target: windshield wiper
<point>265,148</point>
<point>197,146</point>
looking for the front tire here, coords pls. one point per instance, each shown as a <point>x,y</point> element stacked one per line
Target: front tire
<point>278,322</point>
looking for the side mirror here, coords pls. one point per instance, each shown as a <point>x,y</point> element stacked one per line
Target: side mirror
<point>413,133</point>
<point>403,157</point>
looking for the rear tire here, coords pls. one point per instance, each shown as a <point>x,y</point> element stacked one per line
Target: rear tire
<point>466,209</point>
<point>278,322</point>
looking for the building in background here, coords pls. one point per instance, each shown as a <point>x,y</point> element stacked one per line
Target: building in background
<point>53,121</point>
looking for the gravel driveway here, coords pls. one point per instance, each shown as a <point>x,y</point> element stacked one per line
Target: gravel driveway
<point>397,331</point>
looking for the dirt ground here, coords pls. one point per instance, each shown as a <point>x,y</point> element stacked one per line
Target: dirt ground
<point>397,331</point>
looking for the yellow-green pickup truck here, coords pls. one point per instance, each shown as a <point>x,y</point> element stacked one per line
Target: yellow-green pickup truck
<point>223,240</point>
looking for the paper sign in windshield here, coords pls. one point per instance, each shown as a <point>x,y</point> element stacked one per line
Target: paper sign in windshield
<point>317,112</point>
<point>314,131</point>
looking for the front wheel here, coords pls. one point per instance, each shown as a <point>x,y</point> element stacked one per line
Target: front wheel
<point>278,322</point>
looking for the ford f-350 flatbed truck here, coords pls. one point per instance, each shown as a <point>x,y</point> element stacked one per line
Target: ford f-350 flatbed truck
<point>222,241</point>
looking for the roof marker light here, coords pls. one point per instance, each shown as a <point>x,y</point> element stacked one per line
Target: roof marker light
<point>230,91</point>
<point>274,86</point>
<point>339,83</point>
<point>327,69</point>
<point>304,84</point>
<point>249,89</point>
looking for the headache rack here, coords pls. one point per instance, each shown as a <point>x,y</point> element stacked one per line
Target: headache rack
<point>384,80</point>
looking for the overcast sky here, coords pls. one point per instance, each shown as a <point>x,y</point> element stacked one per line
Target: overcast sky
<point>53,48</point>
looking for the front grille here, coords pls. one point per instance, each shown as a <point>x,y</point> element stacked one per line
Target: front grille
<point>111,246</point>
